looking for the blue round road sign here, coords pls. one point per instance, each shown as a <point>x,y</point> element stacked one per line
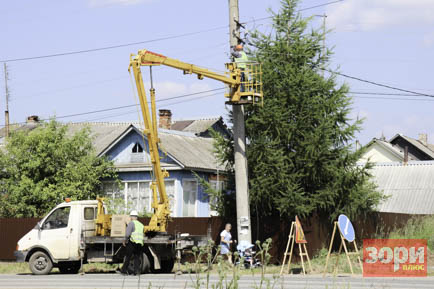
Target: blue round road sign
<point>346,228</point>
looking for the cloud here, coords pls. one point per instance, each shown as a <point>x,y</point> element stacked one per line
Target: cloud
<point>166,89</point>
<point>368,15</point>
<point>104,3</point>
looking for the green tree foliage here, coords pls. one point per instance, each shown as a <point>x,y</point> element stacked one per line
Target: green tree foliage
<point>40,168</point>
<point>299,150</point>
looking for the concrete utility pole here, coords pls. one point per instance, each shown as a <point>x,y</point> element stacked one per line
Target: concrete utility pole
<point>241,178</point>
<point>7,100</point>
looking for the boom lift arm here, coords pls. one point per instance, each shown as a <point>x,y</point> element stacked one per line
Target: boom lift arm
<point>244,87</point>
<point>160,202</point>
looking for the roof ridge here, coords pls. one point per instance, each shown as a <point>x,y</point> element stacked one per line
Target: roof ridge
<point>99,123</point>
<point>401,164</point>
<point>195,119</point>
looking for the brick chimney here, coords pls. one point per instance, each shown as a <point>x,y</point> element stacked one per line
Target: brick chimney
<point>423,138</point>
<point>32,119</point>
<point>165,118</point>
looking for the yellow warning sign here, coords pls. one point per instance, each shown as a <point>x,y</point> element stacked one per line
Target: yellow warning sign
<point>299,234</point>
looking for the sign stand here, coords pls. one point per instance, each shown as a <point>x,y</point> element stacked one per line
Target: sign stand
<point>296,235</point>
<point>344,236</point>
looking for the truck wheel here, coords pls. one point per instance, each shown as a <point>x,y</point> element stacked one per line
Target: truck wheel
<point>146,265</point>
<point>166,266</point>
<point>70,268</point>
<point>40,263</point>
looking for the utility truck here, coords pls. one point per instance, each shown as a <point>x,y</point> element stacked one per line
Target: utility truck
<point>77,232</point>
<point>67,237</point>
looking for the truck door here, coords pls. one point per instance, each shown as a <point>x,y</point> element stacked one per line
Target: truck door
<point>88,223</point>
<point>56,232</point>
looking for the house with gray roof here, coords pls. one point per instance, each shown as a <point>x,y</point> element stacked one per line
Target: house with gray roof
<point>200,127</point>
<point>403,170</point>
<point>184,154</point>
<point>394,150</point>
<point>409,187</point>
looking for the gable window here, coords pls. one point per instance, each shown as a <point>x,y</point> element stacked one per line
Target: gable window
<point>137,148</point>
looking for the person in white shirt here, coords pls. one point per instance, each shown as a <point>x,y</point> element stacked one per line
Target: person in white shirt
<point>226,241</point>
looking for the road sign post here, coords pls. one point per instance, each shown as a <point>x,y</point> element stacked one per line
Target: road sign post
<point>296,235</point>
<point>347,234</point>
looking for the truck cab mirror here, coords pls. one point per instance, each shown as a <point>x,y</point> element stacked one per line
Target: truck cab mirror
<point>38,226</point>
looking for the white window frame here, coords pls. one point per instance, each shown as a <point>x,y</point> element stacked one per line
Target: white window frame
<point>138,186</point>
<point>175,199</point>
<point>197,196</point>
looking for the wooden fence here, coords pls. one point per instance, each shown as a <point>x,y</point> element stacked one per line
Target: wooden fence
<point>317,233</point>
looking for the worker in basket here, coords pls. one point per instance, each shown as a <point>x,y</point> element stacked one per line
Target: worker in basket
<point>133,242</point>
<point>241,60</point>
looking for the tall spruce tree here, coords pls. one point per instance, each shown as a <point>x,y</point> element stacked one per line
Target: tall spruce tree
<point>300,157</point>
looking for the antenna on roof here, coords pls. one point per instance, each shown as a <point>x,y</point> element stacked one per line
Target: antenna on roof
<point>383,138</point>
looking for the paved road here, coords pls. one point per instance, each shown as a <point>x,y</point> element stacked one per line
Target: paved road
<point>185,281</point>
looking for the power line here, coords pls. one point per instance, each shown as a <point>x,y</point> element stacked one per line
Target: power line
<point>148,41</point>
<point>130,105</point>
<point>378,84</point>
<point>302,9</point>
<point>135,111</point>
<point>383,93</point>
<point>113,46</point>
<point>395,98</point>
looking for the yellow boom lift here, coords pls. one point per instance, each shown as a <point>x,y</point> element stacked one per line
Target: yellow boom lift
<point>244,86</point>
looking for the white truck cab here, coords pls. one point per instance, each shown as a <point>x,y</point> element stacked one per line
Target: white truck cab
<point>55,240</point>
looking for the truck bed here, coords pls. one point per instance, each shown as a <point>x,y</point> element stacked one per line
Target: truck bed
<point>157,239</point>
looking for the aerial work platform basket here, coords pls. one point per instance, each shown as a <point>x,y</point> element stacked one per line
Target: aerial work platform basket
<point>248,89</point>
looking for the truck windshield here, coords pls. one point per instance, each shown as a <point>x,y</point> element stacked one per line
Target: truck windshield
<point>58,219</point>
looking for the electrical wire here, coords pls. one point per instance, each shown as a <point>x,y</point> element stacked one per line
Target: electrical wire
<point>394,98</point>
<point>383,93</point>
<point>147,41</point>
<point>377,83</point>
<point>114,46</point>
<point>300,10</point>
<point>126,106</point>
<point>135,111</point>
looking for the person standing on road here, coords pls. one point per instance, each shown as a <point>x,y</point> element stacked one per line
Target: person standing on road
<point>226,241</point>
<point>133,242</point>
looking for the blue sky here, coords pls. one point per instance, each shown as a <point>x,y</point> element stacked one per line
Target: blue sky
<point>389,42</point>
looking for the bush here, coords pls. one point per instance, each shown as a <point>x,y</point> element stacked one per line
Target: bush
<point>417,228</point>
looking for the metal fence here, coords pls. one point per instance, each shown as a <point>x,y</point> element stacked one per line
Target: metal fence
<point>11,230</point>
